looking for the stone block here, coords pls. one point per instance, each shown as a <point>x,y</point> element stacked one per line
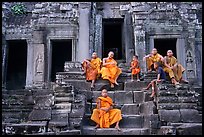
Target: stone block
<point>189,129</point>
<point>132,121</point>
<point>187,99</point>
<point>167,130</point>
<point>167,99</point>
<point>107,131</point>
<point>75,123</point>
<point>130,109</point>
<point>169,115</point>
<point>147,108</point>
<point>152,121</point>
<point>40,115</point>
<point>138,96</point>
<point>132,86</point>
<point>88,130</point>
<point>190,115</point>
<point>123,97</point>
<point>43,101</point>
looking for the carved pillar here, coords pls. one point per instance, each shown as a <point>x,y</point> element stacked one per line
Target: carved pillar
<point>4,60</point>
<point>83,47</point>
<point>29,73</point>
<point>129,38</point>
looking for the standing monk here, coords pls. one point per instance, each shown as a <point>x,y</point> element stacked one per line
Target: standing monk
<point>92,68</point>
<point>152,58</point>
<point>104,115</point>
<point>110,69</point>
<point>174,69</point>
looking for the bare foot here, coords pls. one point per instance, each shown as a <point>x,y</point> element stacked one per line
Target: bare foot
<point>97,126</point>
<point>152,95</point>
<point>112,85</point>
<point>117,127</point>
<point>92,86</point>
<point>145,88</point>
<point>132,80</point>
<point>116,83</point>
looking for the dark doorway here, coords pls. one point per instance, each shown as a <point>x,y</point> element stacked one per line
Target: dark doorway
<point>112,38</point>
<point>61,52</point>
<point>162,45</point>
<point>17,64</point>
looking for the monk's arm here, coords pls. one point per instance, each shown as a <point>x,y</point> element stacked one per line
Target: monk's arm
<point>165,63</point>
<point>104,62</point>
<point>86,61</point>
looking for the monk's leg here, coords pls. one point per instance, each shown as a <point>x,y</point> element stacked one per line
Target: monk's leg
<point>171,75</point>
<point>153,88</point>
<point>149,63</point>
<point>115,117</point>
<point>132,79</point>
<point>117,126</point>
<point>138,79</point>
<point>92,83</point>
<point>95,116</point>
<point>149,85</point>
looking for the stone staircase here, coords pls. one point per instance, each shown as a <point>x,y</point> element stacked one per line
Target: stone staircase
<point>66,108</point>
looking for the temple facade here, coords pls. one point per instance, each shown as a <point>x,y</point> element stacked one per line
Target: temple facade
<point>39,37</point>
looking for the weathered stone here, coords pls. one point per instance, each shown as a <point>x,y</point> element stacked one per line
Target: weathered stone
<point>167,130</point>
<point>138,96</point>
<point>129,86</point>
<point>189,129</point>
<point>167,99</point>
<point>147,108</point>
<point>97,94</point>
<point>40,115</point>
<point>132,121</point>
<point>190,115</point>
<point>130,109</point>
<point>169,115</point>
<point>152,121</point>
<point>122,97</point>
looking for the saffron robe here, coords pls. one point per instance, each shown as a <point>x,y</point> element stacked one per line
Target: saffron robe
<point>103,118</point>
<point>110,72</point>
<point>92,69</point>
<point>177,71</point>
<point>152,59</point>
<point>136,68</point>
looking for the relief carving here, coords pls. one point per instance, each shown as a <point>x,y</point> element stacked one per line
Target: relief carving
<point>39,65</point>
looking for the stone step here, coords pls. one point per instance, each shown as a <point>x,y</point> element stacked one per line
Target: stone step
<point>180,115</point>
<point>170,99</point>
<point>13,110</point>
<point>61,111</point>
<point>89,130</point>
<point>84,85</point>
<point>67,132</point>
<point>131,86</point>
<point>171,106</point>
<point>62,106</point>
<point>64,88</point>
<point>62,94</point>
<point>128,121</point>
<point>175,92</point>
<point>4,106</point>
<point>63,99</point>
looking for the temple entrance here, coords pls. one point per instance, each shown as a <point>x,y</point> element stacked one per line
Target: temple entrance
<point>16,65</point>
<point>162,45</point>
<point>112,39</point>
<point>61,51</point>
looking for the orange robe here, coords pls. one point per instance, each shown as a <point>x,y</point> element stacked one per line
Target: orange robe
<point>110,72</point>
<point>105,119</point>
<point>136,69</point>
<point>92,70</point>
<point>152,59</point>
<point>177,71</point>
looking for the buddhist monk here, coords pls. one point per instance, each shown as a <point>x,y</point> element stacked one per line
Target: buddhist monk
<point>92,68</point>
<point>110,70</point>
<point>135,68</point>
<point>105,115</point>
<point>173,68</point>
<point>152,58</point>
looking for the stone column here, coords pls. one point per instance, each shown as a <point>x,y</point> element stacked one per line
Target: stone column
<point>4,60</point>
<point>29,73</point>
<point>83,45</point>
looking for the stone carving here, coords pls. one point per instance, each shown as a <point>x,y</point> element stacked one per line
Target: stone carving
<point>39,65</point>
<point>69,66</point>
<point>189,63</point>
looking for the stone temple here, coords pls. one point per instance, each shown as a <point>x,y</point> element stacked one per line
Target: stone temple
<point>44,43</point>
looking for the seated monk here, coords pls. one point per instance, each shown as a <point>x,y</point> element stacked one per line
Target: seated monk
<point>104,115</point>
<point>152,58</point>
<point>110,70</point>
<point>174,69</point>
<point>92,68</point>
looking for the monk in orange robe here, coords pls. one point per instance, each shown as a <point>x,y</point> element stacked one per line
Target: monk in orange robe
<point>173,68</point>
<point>135,68</point>
<point>105,115</point>
<point>92,68</point>
<point>110,70</point>
<point>152,58</point>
